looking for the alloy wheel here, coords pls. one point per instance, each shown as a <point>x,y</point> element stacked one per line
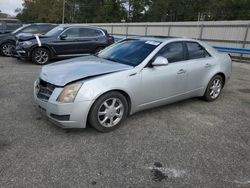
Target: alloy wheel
<point>110,112</point>
<point>41,57</point>
<point>215,88</point>
<point>7,49</point>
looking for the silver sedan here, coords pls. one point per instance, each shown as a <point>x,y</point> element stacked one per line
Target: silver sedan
<point>129,76</point>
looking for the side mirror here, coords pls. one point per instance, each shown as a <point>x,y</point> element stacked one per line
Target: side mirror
<point>160,61</point>
<point>63,37</point>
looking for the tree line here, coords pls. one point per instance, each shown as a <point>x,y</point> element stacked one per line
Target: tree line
<point>104,11</point>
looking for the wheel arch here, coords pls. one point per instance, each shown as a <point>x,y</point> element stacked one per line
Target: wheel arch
<point>124,93</point>
<point>223,77</point>
<point>46,47</point>
<point>210,77</point>
<point>7,41</point>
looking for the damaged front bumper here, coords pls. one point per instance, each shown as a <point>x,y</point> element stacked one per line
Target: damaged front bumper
<point>65,115</point>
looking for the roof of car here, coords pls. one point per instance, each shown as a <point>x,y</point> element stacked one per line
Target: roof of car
<point>81,25</point>
<point>155,38</point>
<point>42,24</point>
<point>7,19</point>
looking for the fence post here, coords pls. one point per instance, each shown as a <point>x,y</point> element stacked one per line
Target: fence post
<point>169,29</point>
<point>246,35</point>
<point>127,31</point>
<point>245,39</point>
<point>112,29</point>
<point>201,31</point>
<point>146,29</point>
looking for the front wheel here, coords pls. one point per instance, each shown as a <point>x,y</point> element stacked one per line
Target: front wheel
<point>214,88</point>
<point>108,112</point>
<point>40,56</point>
<point>7,49</point>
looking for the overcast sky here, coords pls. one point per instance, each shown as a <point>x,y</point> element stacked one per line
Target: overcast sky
<point>9,6</point>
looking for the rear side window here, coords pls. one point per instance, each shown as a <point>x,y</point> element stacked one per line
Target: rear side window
<point>174,52</point>
<point>196,51</point>
<point>72,33</point>
<point>87,32</point>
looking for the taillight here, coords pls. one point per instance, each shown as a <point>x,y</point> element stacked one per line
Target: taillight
<point>110,40</point>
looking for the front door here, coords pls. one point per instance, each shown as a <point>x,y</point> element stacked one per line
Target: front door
<point>69,44</point>
<point>160,83</point>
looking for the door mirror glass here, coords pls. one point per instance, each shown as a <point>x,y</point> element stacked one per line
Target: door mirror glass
<point>63,36</point>
<point>160,61</point>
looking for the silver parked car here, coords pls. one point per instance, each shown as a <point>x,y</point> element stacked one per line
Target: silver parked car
<point>129,76</point>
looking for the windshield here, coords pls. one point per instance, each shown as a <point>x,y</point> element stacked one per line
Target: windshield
<point>130,52</point>
<point>54,32</point>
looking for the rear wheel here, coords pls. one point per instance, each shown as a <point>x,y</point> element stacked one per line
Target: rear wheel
<point>108,112</point>
<point>214,88</point>
<point>40,56</point>
<point>7,49</point>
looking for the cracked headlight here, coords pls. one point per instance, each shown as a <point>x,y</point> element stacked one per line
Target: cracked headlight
<point>69,93</point>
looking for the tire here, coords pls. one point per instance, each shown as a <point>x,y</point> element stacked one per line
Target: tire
<point>40,56</point>
<point>98,49</point>
<point>112,105</point>
<point>214,88</point>
<point>7,49</point>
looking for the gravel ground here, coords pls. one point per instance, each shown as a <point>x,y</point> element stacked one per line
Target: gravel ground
<point>192,143</point>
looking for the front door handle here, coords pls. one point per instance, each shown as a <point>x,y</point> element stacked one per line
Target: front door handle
<point>181,71</point>
<point>208,65</point>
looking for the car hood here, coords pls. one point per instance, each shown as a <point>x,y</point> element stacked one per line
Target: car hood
<point>27,36</point>
<point>67,71</point>
<point>6,35</point>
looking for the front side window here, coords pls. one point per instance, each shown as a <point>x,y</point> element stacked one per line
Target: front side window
<point>130,52</point>
<point>55,32</point>
<point>72,33</point>
<point>196,51</point>
<point>174,52</point>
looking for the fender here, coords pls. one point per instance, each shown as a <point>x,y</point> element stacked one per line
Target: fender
<point>45,46</point>
<point>7,40</point>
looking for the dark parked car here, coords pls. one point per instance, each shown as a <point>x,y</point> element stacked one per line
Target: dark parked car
<point>8,40</point>
<point>63,41</point>
<point>9,25</point>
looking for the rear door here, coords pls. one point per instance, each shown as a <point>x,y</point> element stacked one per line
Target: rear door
<point>199,64</point>
<point>89,40</point>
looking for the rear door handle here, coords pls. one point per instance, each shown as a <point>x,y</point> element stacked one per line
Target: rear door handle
<point>181,71</point>
<point>208,65</point>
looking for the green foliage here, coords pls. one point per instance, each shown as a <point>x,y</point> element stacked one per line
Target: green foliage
<point>94,11</point>
<point>41,11</point>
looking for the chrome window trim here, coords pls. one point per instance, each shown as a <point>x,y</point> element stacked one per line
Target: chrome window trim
<point>103,34</point>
